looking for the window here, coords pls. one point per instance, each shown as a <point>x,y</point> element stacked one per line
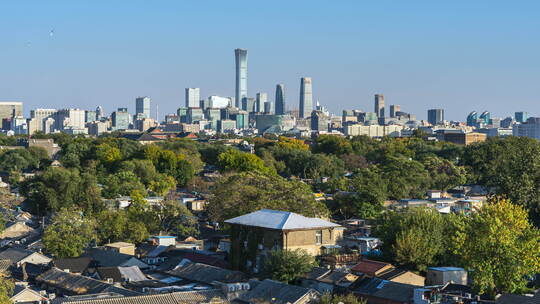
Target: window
<point>318,237</point>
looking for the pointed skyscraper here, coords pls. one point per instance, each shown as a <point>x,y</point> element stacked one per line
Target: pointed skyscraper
<point>241,76</point>
<point>280,100</point>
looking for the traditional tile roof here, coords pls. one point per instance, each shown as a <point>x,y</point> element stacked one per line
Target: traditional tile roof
<point>280,220</point>
<point>269,291</point>
<point>369,267</point>
<point>121,274</point>
<point>207,274</point>
<point>78,265</point>
<point>75,284</point>
<point>184,297</point>
<point>14,254</point>
<point>382,289</point>
<point>5,264</point>
<point>109,258</point>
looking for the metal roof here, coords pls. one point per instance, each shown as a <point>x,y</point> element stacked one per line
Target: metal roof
<point>280,220</point>
<point>446,269</point>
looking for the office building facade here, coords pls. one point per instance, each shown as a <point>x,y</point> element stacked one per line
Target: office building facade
<point>142,107</point>
<point>306,97</point>
<point>280,100</point>
<point>435,116</point>
<point>10,109</point>
<point>193,97</point>
<point>260,100</point>
<point>394,109</point>
<point>120,119</point>
<point>521,117</point>
<point>379,105</point>
<point>241,75</point>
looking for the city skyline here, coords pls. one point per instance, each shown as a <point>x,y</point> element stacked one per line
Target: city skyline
<point>459,63</point>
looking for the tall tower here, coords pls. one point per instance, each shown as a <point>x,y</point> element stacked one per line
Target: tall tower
<point>142,106</point>
<point>379,105</point>
<point>280,99</point>
<point>435,116</point>
<point>99,112</point>
<point>394,109</point>
<point>261,99</point>
<point>306,97</point>
<point>193,97</point>
<point>241,75</point>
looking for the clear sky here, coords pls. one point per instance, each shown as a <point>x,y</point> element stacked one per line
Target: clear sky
<point>457,55</point>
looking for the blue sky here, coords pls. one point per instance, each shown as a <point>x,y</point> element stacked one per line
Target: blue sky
<point>458,55</point>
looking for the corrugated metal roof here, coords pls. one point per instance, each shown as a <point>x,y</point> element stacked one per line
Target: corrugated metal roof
<point>281,220</point>
<point>184,297</point>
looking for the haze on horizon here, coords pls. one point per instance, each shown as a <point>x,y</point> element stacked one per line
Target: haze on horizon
<point>457,55</point>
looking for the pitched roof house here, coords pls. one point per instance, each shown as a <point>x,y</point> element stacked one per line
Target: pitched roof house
<point>269,291</point>
<point>273,229</point>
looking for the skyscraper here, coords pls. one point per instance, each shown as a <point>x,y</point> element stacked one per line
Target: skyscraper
<point>435,116</point>
<point>193,97</point>
<point>142,107</point>
<point>261,99</point>
<point>99,112</point>
<point>472,118</point>
<point>394,109</point>
<point>379,105</point>
<point>521,116</point>
<point>280,100</point>
<point>306,97</point>
<point>241,75</point>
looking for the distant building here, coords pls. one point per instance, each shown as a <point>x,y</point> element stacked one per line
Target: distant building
<point>462,138</point>
<point>261,99</point>
<point>280,100</point>
<point>379,105</point>
<point>531,128</point>
<point>521,116</point>
<point>279,122</point>
<point>373,130</point>
<point>100,113</point>
<point>69,119</point>
<point>9,109</point>
<point>394,109</point>
<point>444,275</point>
<point>435,116</point>
<point>319,121</point>
<point>226,125</point>
<point>219,102</point>
<point>194,114</point>
<point>306,97</point>
<point>90,116</point>
<point>268,107</point>
<point>241,75</point>
<point>472,119</point>
<point>485,117</point>
<point>248,104</point>
<point>273,230</point>
<point>193,96</point>
<point>120,119</point>
<point>142,107</point>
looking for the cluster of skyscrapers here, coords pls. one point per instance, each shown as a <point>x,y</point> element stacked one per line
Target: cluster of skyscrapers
<point>247,115</point>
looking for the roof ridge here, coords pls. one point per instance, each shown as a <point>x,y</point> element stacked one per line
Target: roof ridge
<point>287,217</point>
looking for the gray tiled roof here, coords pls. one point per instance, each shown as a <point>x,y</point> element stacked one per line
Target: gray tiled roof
<point>269,291</point>
<point>77,284</point>
<point>185,297</point>
<point>207,274</point>
<point>280,220</point>
<point>14,254</point>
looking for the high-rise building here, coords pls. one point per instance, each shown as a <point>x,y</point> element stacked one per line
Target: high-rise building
<point>219,102</point>
<point>241,75</point>
<point>521,117</point>
<point>194,114</point>
<point>193,96</point>
<point>280,100</point>
<point>379,105</point>
<point>394,109</point>
<point>261,99</point>
<point>485,117</point>
<point>90,116</point>
<point>100,112</point>
<point>268,107</point>
<point>435,116</point>
<point>530,128</point>
<point>120,119</point>
<point>249,104</point>
<point>306,97</point>
<point>472,119</point>
<point>9,109</point>
<point>69,119</point>
<point>319,121</point>
<point>142,107</point>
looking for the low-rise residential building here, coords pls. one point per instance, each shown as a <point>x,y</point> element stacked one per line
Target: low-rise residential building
<point>253,235</point>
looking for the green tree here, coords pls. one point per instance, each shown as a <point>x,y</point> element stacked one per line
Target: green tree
<point>406,178</point>
<point>122,183</point>
<point>443,173</point>
<point>108,154</point>
<point>69,234</point>
<point>162,184</point>
<point>500,247</point>
<point>174,218</point>
<point>510,167</point>
<point>287,265</point>
<point>241,193</point>
<point>237,161</point>
<point>332,144</point>
<point>414,238</point>
<point>328,298</point>
<point>6,289</point>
